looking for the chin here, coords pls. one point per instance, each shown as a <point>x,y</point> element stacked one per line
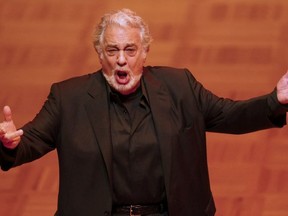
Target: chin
<point>126,89</point>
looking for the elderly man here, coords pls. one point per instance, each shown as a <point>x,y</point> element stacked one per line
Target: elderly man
<point>131,139</point>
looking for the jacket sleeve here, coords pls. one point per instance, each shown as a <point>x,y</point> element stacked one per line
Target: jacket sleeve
<point>238,116</point>
<point>40,135</point>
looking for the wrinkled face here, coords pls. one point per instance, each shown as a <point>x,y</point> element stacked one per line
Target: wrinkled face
<point>122,58</point>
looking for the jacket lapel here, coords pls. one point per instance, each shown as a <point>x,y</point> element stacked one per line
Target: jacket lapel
<point>160,103</point>
<point>98,111</point>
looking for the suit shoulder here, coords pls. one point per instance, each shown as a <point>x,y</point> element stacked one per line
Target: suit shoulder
<point>170,74</point>
<point>165,69</point>
<point>79,82</point>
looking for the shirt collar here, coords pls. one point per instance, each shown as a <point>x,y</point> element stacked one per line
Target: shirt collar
<point>114,95</point>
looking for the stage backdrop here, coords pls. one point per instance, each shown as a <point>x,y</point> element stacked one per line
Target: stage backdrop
<point>236,48</point>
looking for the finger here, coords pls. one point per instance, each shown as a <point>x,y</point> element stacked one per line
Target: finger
<point>20,132</point>
<point>11,136</point>
<point>2,131</point>
<point>7,113</point>
<point>15,139</point>
<point>11,140</point>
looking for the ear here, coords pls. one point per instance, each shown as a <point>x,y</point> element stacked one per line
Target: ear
<point>100,57</point>
<point>99,53</point>
<point>145,52</point>
<point>147,49</point>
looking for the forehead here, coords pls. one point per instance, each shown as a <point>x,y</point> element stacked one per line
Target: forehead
<point>122,35</point>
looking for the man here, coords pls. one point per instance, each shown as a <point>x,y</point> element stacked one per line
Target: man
<point>131,139</point>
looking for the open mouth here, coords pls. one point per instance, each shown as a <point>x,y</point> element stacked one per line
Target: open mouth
<point>122,74</point>
<point>122,77</point>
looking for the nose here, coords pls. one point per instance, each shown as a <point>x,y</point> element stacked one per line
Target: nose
<point>121,58</point>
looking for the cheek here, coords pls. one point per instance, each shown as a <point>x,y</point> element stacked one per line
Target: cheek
<point>140,63</point>
<point>106,67</point>
<point>140,60</point>
<point>107,62</point>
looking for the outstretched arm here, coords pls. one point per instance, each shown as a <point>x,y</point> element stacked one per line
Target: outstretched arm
<point>9,135</point>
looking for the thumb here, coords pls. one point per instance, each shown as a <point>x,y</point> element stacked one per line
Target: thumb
<point>7,113</point>
<point>284,79</point>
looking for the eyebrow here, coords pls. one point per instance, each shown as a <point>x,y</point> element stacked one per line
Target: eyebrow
<point>126,45</point>
<point>131,44</point>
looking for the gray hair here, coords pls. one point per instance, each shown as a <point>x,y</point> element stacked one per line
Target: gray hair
<point>123,17</point>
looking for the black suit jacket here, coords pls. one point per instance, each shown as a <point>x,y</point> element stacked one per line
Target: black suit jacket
<point>75,121</point>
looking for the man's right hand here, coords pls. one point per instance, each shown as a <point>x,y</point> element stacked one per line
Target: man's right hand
<point>9,135</point>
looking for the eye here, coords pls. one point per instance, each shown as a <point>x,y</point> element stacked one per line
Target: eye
<point>111,51</point>
<point>131,51</point>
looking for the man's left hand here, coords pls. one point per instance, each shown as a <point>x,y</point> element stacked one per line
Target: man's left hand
<point>282,89</point>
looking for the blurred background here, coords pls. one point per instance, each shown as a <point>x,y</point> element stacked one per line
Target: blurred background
<point>236,48</point>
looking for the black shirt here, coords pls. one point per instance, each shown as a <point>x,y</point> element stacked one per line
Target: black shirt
<point>137,168</point>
